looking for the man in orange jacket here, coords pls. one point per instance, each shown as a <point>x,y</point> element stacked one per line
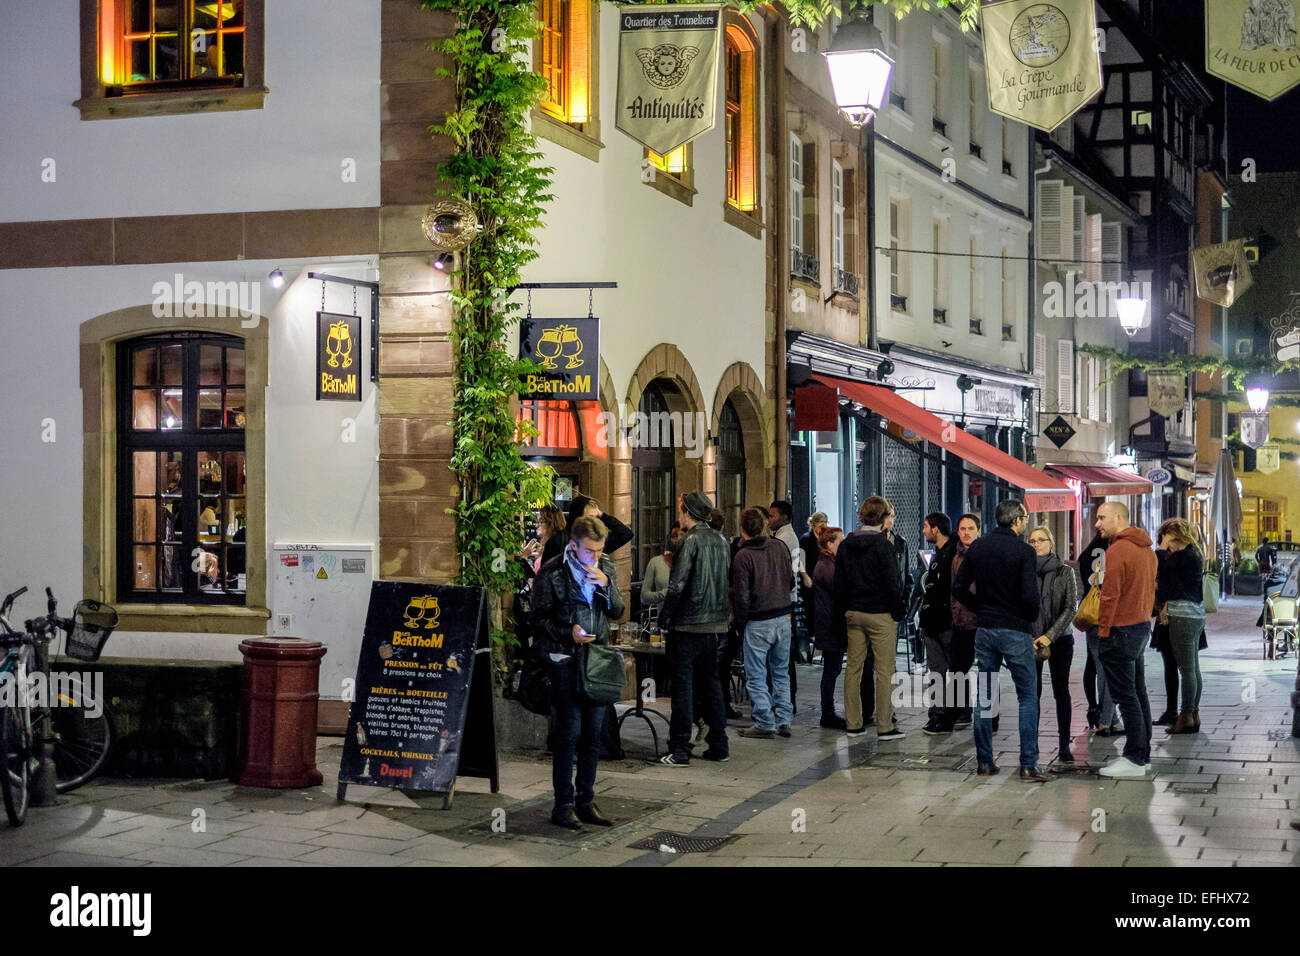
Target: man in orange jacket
<point>1128,593</point>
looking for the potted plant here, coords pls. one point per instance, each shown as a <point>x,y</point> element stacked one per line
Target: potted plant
<point>1247,577</point>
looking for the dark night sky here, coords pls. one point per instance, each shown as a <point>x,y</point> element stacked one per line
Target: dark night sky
<point>1267,132</point>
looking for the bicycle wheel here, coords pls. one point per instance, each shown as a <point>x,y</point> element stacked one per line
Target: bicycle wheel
<point>15,751</point>
<point>81,740</point>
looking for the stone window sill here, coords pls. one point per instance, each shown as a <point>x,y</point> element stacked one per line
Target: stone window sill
<point>748,222</point>
<point>562,134</point>
<point>171,103</point>
<point>669,186</point>
<point>192,618</point>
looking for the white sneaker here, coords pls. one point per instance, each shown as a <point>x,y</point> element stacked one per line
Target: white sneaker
<point>1123,767</point>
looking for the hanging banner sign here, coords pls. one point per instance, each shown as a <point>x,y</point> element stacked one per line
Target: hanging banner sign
<point>1041,59</point>
<point>338,357</point>
<point>1252,44</point>
<point>1165,391</point>
<point>1222,272</point>
<point>567,355</point>
<point>1254,429</point>
<point>667,73</point>
<point>1268,458</point>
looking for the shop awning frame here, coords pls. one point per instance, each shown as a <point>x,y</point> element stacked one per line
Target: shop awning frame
<point>1040,492</point>
<point>1101,481</point>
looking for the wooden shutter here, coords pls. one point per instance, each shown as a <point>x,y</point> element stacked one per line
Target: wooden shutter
<point>1079,221</point>
<point>1094,388</point>
<point>1050,226</point>
<point>1040,369</point>
<point>1065,376</point>
<point>1094,270</point>
<point>1110,395</point>
<point>1110,249</point>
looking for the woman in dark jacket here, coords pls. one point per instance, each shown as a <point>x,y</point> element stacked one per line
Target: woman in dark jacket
<point>963,618</point>
<point>1058,600</point>
<point>574,597</point>
<point>1179,597</point>
<point>830,632</point>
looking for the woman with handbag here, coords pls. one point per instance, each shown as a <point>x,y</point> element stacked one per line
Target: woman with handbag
<point>1179,596</point>
<point>574,597</point>
<point>1058,599</point>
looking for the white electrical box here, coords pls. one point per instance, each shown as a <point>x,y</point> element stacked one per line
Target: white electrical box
<point>321,592</point>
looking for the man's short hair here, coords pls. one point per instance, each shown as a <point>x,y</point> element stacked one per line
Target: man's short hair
<point>940,522</point>
<point>970,516</point>
<point>1009,511</point>
<point>753,521</point>
<point>783,508</point>
<point>717,519</point>
<point>590,529</point>
<point>874,511</point>
<point>1116,508</point>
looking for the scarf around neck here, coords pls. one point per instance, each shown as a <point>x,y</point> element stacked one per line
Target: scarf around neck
<point>579,572</point>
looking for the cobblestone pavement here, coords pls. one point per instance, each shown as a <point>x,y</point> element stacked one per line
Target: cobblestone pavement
<point>1224,797</point>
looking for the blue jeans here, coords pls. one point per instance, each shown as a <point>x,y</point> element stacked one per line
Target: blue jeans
<point>1105,702</point>
<point>995,646</point>
<point>767,655</point>
<point>1122,655</point>
<point>577,736</point>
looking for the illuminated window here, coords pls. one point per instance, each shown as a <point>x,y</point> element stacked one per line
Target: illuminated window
<point>152,44</point>
<point>676,164</point>
<point>742,116</point>
<point>564,59</point>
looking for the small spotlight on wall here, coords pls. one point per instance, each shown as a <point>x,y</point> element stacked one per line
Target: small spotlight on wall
<point>277,278</point>
<point>441,262</point>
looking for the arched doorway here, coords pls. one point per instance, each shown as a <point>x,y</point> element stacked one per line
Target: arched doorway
<point>731,468</point>
<point>654,487</point>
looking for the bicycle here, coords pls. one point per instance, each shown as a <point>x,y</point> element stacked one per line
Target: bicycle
<point>79,739</point>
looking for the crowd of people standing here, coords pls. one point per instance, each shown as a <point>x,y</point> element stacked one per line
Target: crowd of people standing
<point>986,601</point>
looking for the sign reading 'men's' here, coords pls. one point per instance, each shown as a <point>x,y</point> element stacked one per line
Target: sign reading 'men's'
<point>338,357</point>
<point>667,72</point>
<point>567,355</point>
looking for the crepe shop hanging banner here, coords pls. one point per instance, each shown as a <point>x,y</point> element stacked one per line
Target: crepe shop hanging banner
<point>1042,61</point>
<point>667,73</point>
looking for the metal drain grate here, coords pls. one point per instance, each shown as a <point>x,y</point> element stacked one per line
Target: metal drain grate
<point>1195,787</point>
<point>680,842</point>
<point>914,761</point>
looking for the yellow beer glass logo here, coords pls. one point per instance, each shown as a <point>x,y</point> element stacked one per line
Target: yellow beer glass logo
<point>423,608</point>
<point>561,341</point>
<point>339,345</point>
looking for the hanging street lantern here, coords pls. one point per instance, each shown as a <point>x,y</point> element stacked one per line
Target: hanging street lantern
<point>859,68</point>
<point>1132,310</point>
<point>1257,393</point>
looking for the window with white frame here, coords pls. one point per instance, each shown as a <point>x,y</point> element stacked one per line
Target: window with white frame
<point>936,83</point>
<point>1008,299</point>
<point>893,32</point>
<point>837,214</point>
<point>796,193</point>
<point>897,267</point>
<point>975,113</point>
<point>976,288</point>
<point>937,273</point>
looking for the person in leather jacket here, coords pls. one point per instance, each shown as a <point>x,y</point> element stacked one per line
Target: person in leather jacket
<point>695,614</point>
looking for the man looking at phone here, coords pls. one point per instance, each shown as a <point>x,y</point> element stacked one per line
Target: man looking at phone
<point>694,615</point>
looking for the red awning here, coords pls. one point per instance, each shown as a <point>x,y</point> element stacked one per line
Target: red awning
<point>1042,492</point>
<point>1101,481</point>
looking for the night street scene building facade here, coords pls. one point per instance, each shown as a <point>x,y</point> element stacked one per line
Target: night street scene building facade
<point>231,266</point>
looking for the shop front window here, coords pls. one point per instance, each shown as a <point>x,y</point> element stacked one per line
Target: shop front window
<point>182,512</point>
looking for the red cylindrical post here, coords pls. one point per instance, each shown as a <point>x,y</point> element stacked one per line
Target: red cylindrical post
<point>277,741</point>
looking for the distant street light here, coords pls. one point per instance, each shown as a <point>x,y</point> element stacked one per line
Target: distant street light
<point>1132,309</point>
<point>859,68</point>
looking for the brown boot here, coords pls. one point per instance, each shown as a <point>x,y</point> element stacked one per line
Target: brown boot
<point>1196,722</point>
<point>1182,725</point>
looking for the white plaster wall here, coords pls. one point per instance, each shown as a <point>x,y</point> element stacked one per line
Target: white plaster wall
<point>319,488</point>
<point>322,70</point>
<point>684,275</point>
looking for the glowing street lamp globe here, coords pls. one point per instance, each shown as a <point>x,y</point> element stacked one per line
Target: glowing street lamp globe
<point>1257,399</point>
<point>1131,310</point>
<point>859,68</point>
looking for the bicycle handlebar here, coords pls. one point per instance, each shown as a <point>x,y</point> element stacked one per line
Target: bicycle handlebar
<point>9,601</point>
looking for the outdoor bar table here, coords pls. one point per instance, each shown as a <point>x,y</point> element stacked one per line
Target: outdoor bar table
<point>641,652</point>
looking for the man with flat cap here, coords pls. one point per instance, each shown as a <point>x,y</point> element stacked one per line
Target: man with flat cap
<point>695,614</point>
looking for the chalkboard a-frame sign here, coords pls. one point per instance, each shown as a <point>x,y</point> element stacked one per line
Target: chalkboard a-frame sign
<point>422,714</point>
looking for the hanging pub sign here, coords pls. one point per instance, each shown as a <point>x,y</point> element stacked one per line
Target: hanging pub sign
<point>338,357</point>
<point>567,355</point>
<point>1041,59</point>
<point>1059,432</point>
<point>1165,391</point>
<point>1252,44</point>
<point>1222,272</point>
<point>1284,332</point>
<point>1268,458</point>
<point>1159,476</point>
<point>667,73</point>
<point>1254,429</point>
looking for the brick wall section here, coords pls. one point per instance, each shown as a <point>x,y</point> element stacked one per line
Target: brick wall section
<point>416,486</point>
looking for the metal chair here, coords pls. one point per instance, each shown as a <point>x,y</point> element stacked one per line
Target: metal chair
<point>1281,627</point>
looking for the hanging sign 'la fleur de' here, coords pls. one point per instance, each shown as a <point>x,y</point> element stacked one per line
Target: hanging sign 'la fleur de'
<point>1042,62</point>
<point>667,72</point>
<point>1252,44</point>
